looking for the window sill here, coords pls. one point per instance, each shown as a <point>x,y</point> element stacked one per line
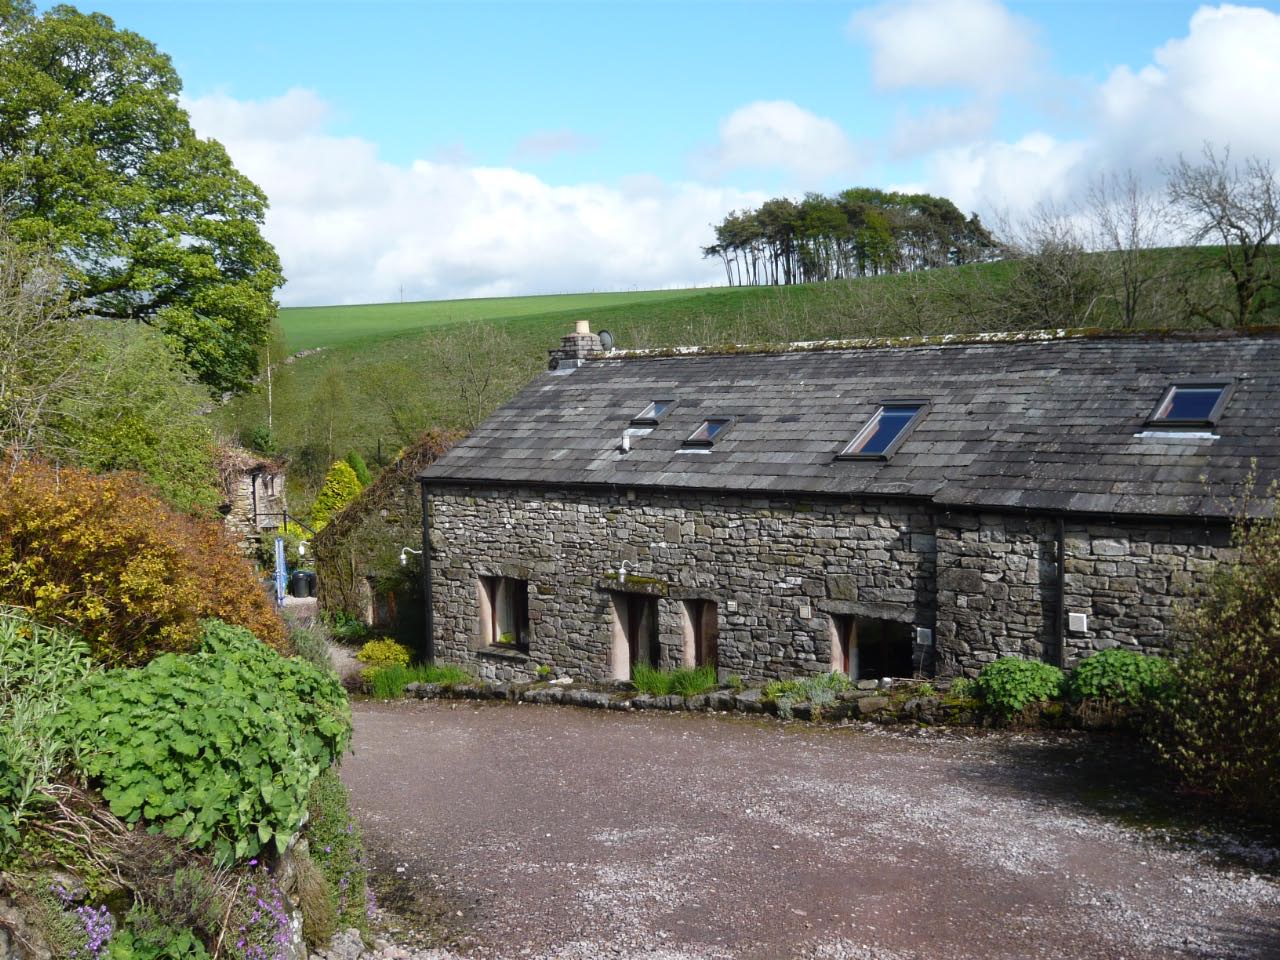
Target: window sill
<point>504,653</point>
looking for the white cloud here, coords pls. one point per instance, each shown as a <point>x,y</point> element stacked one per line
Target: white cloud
<point>1217,84</point>
<point>942,127</point>
<point>549,143</point>
<point>351,227</point>
<point>974,44</point>
<point>779,135</point>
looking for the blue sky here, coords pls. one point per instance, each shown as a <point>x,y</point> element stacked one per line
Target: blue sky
<point>489,148</point>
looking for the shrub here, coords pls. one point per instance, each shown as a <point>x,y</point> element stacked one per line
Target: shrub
<point>39,666</point>
<point>218,748</point>
<point>338,851</point>
<point>340,487</point>
<point>1011,684</point>
<point>361,469</point>
<point>1219,726</point>
<point>1120,676</point>
<point>106,557</point>
<point>388,683</point>
<point>384,652</point>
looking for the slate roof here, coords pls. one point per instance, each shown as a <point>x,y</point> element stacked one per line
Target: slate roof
<point>1052,424</point>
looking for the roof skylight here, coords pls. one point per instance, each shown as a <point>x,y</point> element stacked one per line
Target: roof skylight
<point>653,412</point>
<point>709,432</point>
<point>1191,403</point>
<point>884,432</point>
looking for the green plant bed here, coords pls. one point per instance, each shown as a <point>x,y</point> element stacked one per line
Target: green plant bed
<point>388,683</point>
<point>682,681</point>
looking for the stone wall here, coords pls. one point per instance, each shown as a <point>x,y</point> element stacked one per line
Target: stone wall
<point>976,587</point>
<point>997,586</point>
<point>776,570</point>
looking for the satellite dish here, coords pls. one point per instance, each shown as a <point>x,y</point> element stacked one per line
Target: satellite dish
<point>606,340</point>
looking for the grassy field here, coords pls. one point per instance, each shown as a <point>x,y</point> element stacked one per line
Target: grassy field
<point>309,327</point>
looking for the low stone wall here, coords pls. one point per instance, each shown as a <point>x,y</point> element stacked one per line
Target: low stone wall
<point>869,701</point>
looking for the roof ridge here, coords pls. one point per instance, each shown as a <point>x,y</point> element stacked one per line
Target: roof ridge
<point>941,340</point>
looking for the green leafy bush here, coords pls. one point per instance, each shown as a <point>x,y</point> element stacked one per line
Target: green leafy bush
<point>39,667</point>
<point>1120,676</point>
<point>218,748</point>
<point>388,683</point>
<point>1218,728</point>
<point>340,487</point>
<point>384,652</point>
<point>1011,684</point>
<point>684,681</point>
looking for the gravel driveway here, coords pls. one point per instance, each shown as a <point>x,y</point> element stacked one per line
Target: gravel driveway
<point>560,833</point>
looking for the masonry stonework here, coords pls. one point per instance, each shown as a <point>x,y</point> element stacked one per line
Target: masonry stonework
<point>983,585</point>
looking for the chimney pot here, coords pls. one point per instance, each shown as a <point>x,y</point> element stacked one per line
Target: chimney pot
<point>582,327</point>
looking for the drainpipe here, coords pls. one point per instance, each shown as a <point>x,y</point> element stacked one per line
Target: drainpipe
<point>429,648</point>
<point>1060,615</point>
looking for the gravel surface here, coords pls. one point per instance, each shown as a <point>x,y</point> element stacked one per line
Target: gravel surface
<point>546,832</point>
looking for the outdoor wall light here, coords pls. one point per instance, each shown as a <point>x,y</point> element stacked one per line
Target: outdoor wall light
<point>404,555</point>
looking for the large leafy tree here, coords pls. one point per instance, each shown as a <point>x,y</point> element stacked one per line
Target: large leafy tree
<point>99,162</point>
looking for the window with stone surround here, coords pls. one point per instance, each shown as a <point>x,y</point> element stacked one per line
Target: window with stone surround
<point>504,612</point>
<point>884,432</point>
<point>1191,404</point>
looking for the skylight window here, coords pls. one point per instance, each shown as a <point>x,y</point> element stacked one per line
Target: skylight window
<point>653,412</point>
<point>1191,403</point>
<point>884,432</point>
<point>708,433</point>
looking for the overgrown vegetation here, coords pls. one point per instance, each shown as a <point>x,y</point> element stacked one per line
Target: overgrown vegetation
<point>133,576</point>
<point>1219,727</point>
<point>682,681</point>
<point>39,667</point>
<point>334,840</point>
<point>218,748</point>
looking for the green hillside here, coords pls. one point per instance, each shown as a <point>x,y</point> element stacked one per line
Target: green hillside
<point>387,372</point>
<point>309,327</point>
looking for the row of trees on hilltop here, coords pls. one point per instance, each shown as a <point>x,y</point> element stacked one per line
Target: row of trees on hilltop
<point>856,233</point>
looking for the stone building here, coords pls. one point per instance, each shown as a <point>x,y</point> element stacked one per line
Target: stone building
<point>253,489</point>
<point>884,508</point>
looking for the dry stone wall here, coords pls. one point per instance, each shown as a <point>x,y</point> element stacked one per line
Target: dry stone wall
<point>776,570</point>
<point>980,586</point>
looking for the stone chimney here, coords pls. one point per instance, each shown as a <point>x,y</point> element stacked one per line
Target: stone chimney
<point>575,347</point>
